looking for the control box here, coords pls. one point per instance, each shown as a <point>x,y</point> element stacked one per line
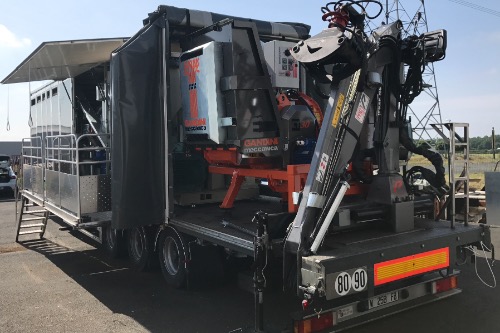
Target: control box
<point>283,68</point>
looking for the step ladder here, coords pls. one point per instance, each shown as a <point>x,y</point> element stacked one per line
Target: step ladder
<point>32,219</point>
<point>455,140</point>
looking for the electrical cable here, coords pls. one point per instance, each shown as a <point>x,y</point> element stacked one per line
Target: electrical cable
<point>484,249</point>
<point>362,4</point>
<point>477,7</point>
<point>30,118</point>
<point>8,109</point>
<point>263,268</point>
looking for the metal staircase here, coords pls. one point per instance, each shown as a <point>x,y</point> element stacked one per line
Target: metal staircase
<point>32,219</point>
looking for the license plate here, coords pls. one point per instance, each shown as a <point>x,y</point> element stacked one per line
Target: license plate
<point>383,299</point>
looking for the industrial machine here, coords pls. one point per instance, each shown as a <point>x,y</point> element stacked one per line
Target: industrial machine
<point>256,139</point>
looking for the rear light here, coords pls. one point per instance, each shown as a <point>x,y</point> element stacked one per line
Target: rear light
<point>316,323</point>
<point>13,177</point>
<point>445,284</point>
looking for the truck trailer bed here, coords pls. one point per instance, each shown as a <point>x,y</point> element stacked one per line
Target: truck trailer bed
<point>206,222</point>
<point>383,245</point>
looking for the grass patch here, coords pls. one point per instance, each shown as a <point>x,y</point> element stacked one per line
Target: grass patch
<point>473,158</point>
<point>476,179</point>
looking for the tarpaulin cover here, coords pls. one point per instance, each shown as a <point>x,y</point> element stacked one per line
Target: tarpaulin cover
<point>199,19</point>
<point>138,152</point>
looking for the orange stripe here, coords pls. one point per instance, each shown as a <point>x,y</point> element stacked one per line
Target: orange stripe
<point>193,102</point>
<point>400,268</point>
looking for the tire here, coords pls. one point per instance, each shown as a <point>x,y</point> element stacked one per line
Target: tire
<point>140,248</point>
<point>113,242</point>
<point>172,252</point>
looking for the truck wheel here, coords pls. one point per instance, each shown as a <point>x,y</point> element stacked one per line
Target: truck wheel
<point>172,254</point>
<point>113,242</point>
<point>140,248</point>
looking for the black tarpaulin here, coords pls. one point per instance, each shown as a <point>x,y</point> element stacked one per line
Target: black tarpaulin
<point>138,154</point>
<point>200,19</point>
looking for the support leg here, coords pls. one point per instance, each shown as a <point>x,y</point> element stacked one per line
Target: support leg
<point>233,190</point>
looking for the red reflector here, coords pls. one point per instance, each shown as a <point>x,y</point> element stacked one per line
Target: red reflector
<point>445,284</point>
<point>400,268</point>
<point>315,324</point>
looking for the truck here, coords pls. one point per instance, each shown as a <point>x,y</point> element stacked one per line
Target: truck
<point>251,139</point>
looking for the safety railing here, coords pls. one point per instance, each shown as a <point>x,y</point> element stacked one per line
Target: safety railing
<point>32,150</point>
<point>69,158</point>
<point>32,165</point>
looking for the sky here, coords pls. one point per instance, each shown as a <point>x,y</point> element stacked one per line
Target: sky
<point>468,83</point>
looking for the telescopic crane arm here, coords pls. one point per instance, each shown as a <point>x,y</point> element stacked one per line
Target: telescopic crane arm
<point>357,67</point>
<point>340,56</point>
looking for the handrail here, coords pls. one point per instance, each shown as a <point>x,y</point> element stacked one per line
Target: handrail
<point>32,155</point>
<point>72,147</point>
<point>61,154</point>
<point>80,163</point>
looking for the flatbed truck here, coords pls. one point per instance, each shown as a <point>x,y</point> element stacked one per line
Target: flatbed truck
<point>254,139</point>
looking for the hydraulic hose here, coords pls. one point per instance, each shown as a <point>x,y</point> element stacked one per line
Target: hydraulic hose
<point>433,157</point>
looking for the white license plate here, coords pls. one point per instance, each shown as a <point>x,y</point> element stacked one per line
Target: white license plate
<point>383,299</point>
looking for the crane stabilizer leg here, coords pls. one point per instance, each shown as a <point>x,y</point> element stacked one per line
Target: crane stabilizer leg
<point>329,217</point>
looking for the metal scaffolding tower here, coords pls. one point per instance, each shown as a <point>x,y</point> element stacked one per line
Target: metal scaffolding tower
<point>425,110</point>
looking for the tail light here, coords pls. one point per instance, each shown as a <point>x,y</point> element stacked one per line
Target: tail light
<point>13,177</point>
<point>316,323</point>
<point>444,284</point>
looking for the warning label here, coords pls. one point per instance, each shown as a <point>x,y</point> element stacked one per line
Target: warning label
<point>360,114</point>
<point>338,110</point>
<point>363,106</point>
<point>320,175</point>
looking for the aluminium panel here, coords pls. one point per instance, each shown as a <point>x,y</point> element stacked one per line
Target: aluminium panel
<point>69,192</point>
<point>95,193</point>
<point>27,177</point>
<point>52,193</point>
<point>37,180</point>
<point>492,182</point>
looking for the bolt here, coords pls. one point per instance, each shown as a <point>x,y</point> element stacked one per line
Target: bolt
<point>382,254</point>
<point>422,246</point>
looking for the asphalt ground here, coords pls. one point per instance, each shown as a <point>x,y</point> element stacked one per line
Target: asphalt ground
<point>64,284</point>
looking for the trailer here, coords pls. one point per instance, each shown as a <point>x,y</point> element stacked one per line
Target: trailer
<point>247,138</point>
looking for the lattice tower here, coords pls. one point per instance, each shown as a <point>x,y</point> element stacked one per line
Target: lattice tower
<point>425,110</point>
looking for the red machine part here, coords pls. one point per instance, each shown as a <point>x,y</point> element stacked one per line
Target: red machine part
<point>357,188</point>
<point>336,18</point>
<point>282,181</point>
<point>286,182</point>
<point>283,101</point>
<point>301,99</point>
<point>230,157</point>
<point>221,156</point>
